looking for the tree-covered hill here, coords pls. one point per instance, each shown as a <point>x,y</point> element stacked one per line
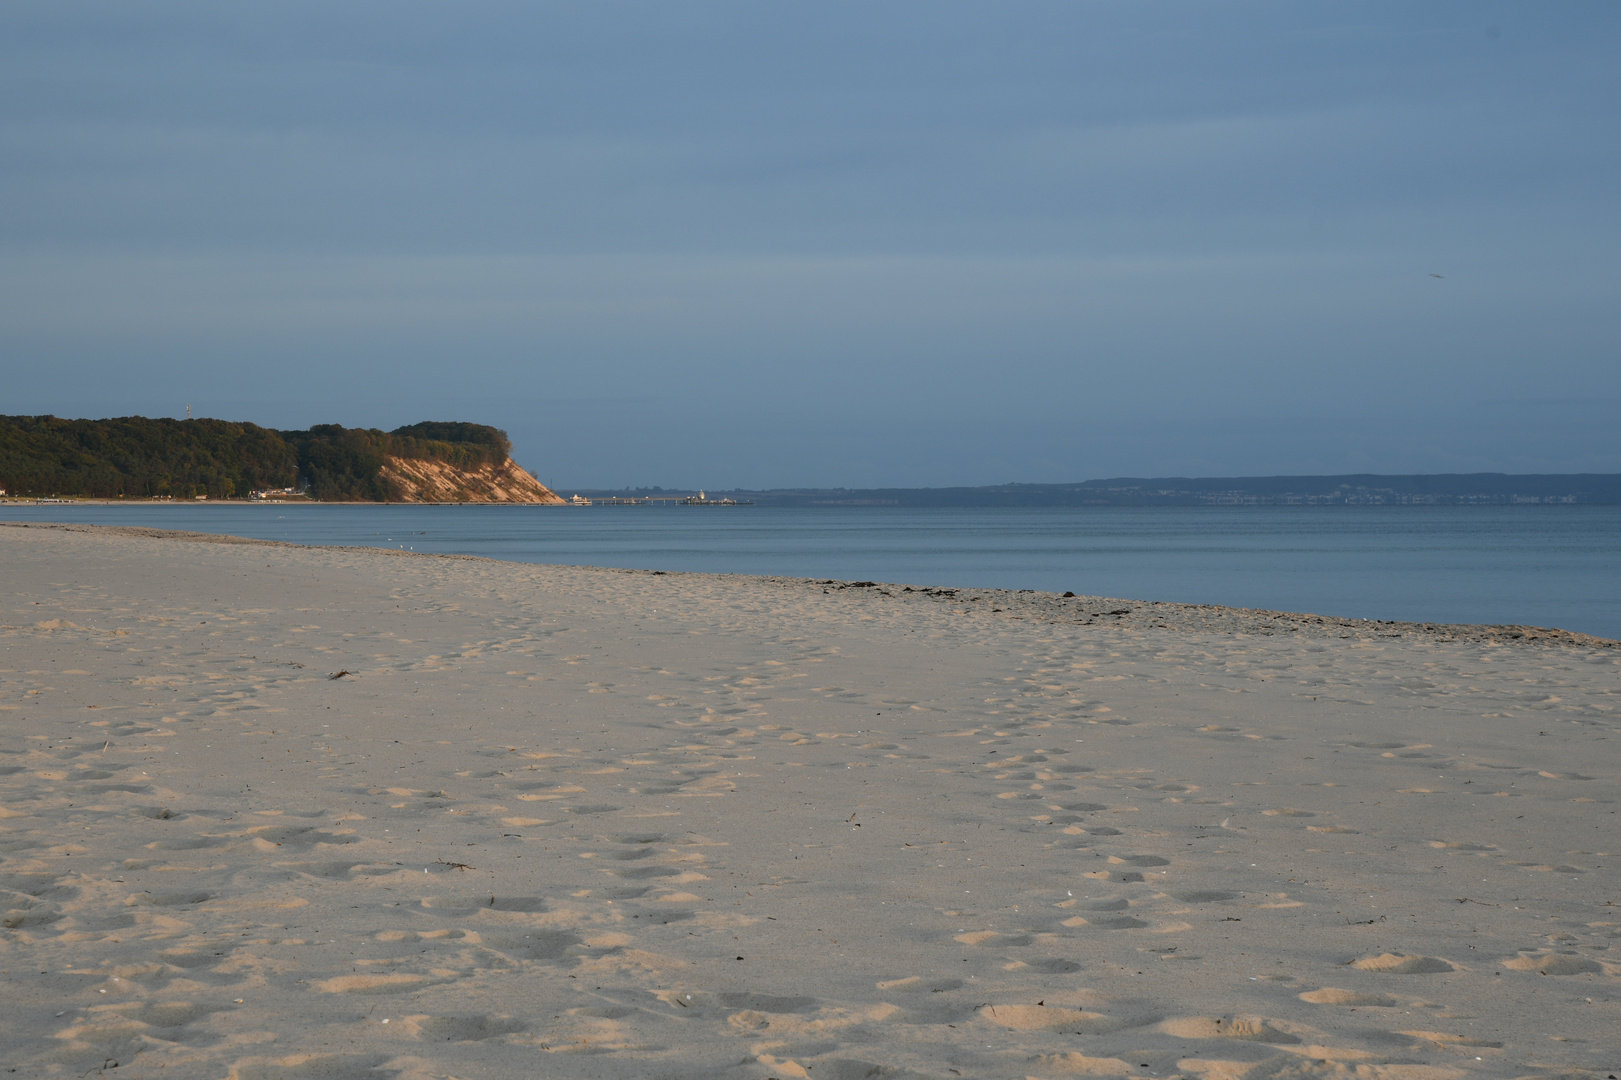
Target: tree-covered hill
<point>136,457</point>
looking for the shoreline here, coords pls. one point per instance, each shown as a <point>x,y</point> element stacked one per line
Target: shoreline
<point>1012,603</point>
<point>273,811</point>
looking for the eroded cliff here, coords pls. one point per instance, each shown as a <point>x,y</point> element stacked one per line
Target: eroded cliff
<point>421,480</point>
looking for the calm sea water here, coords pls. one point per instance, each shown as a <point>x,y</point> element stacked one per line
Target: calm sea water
<point>1543,565</point>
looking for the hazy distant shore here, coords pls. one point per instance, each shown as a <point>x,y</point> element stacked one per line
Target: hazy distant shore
<point>1359,489</point>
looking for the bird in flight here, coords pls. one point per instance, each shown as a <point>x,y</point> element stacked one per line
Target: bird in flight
<point>1436,275</point>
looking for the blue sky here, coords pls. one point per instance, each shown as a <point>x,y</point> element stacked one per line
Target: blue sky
<point>830,244</point>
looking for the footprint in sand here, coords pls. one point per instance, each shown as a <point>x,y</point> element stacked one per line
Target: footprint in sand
<point>1117,903</point>
<point>1053,966</point>
<point>1460,845</point>
<point>459,1028</point>
<point>309,1067</point>
<point>606,1012</point>
<point>645,873</point>
<point>168,1014</point>
<point>766,1003</point>
<point>1329,995</point>
<point>1106,921</point>
<point>829,1068</point>
<point>460,905</point>
<point>1204,896</point>
<point>1043,1017</point>
<point>1397,964</point>
<point>174,899</point>
<point>187,958</point>
<point>373,984</point>
<point>632,855</point>
<point>1555,964</point>
<point>994,940</point>
<point>1443,1040</point>
<point>546,945</point>
<point>296,836</point>
<point>333,869</point>
<point>19,910</point>
<point>623,892</point>
<point>1140,860</point>
<point>1259,1029</point>
<point>1075,1063</point>
<point>190,843</point>
<point>637,838</point>
<point>916,984</point>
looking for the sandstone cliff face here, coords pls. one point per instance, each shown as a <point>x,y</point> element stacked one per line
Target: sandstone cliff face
<point>415,480</point>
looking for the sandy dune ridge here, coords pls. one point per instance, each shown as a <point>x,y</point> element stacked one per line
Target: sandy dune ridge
<point>556,821</point>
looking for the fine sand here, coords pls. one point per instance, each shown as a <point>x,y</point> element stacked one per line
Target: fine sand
<point>269,811</point>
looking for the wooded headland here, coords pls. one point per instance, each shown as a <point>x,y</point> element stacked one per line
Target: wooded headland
<point>137,457</point>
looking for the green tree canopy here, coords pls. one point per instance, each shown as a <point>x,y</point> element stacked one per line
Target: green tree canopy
<point>138,457</point>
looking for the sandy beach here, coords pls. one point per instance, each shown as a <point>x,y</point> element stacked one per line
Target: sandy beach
<point>270,811</point>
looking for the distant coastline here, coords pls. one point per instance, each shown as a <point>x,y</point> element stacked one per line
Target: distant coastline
<point>1358,489</point>
<point>140,459</point>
